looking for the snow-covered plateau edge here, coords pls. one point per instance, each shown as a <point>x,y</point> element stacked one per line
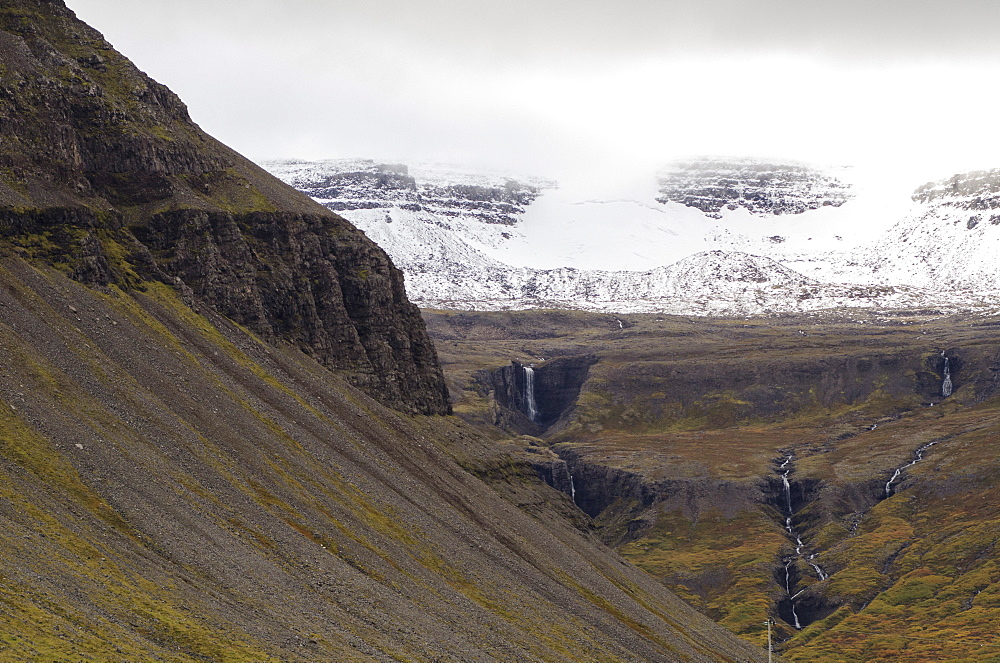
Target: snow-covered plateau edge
<point>707,267</point>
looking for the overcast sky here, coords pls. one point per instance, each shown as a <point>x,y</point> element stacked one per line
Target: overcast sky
<point>547,87</point>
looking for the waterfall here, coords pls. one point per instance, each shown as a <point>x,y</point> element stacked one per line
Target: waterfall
<point>788,489</point>
<point>529,392</point>
<point>800,554</point>
<point>946,385</point>
<point>572,489</point>
<point>888,484</point>
<point>791,597</point>
<point>918,456</point>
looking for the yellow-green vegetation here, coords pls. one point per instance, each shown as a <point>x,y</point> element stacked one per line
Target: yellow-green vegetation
<point>39,625</point>
<point>721,565</point>
<point>175,489</point>
<point>703,410</point>
<point>228,191</point>
<point>923,562</point>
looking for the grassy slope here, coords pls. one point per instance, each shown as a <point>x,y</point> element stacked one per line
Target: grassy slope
<point>923,563</point>
<point>672,400</point>
<point>173,489</point>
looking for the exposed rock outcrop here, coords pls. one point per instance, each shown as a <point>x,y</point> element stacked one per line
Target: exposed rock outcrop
<point>556,385</point>
<point>949,239</point>
<point>977,190</point>
<point>103,174</point>
<point>363,184</point>
<point>712,185</point>
<point>626,503</point>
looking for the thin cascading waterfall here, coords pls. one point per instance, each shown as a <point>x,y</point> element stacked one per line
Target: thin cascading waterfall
<point>529,393</point>
<point>946,384</point>
<point>788,499</point>
<point>918,456</point>
<point>786,470</point>
<point>572,489</point>
<point>820,573</point>
<point>791,597</point>
<point>888,484</point>
<point>788,487</point>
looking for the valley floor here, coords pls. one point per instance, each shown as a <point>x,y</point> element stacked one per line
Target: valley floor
<point>806,469</point>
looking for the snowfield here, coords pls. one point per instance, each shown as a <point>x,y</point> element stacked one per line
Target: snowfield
<point>755,238</point>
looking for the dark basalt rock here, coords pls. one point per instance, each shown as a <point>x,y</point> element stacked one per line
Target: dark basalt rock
<point>626,504</point>
<point>600,488</point>
<point>104,175</point>
<point>351,185</point>
<point>554,471</point>
<point>712,185</point>
<point>557,386</point>
<point>379,184</point>
<point>977,190</point>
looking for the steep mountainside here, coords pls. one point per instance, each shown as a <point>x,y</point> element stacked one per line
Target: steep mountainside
<point>103,173</point>
<point>175,489</point>
<point>182,475</point>
<point>837,473</point>
<point>951,238</point>
<point>811,238</point>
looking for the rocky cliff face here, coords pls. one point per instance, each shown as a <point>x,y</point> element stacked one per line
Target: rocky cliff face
<point>481,241</point>
<point>555,385</point>
<point>103,174</point>
<point>762,188</point>
<point>364,184</point>
<point>977,191</point>
<point>172,488</point>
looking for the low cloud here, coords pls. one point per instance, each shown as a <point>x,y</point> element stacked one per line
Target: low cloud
<point>548,86</point>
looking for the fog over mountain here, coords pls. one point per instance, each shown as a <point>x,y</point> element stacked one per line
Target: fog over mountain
<point>570,89</point>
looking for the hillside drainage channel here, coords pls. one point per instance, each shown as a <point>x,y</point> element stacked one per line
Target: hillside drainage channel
<point>799,607</point>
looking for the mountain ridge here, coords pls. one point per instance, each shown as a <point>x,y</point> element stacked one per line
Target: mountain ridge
<point>175,488</point>
<point>836,235</point>
<point>104,174</point>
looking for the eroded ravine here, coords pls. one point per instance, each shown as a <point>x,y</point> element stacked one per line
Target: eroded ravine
<point>788,608</point>
<point>676,449</point>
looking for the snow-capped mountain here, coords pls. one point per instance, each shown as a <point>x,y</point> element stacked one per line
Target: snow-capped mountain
<point>950,240</point>
<point>708,236</point>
